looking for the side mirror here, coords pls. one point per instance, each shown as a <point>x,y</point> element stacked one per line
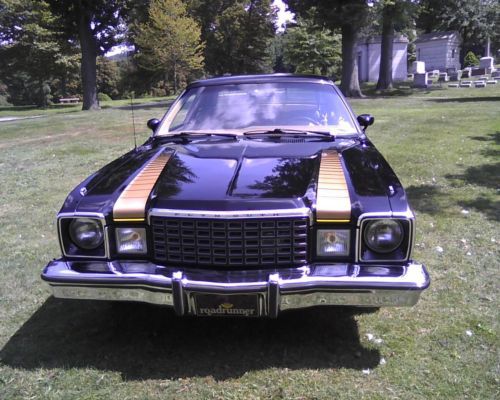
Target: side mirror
<point>365,120</point>
<point>153,124</point>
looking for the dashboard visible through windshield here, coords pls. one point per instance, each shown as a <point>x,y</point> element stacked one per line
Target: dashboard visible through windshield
<point>237,108</point>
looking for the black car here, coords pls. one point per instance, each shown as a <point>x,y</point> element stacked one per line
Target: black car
<point>254,195</point>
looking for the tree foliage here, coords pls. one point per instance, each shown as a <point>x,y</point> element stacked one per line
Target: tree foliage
<point>309,49</point>
<point>97,25</point>
<point>237,33</point>
<point>32,53</point>
<point>471,60</point>
<point>170,40</point>
<point>349,17</point>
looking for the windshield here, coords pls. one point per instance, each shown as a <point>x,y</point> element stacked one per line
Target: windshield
<point>242,107</point>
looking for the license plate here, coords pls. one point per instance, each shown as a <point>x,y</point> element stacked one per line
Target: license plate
<point>233,305</point>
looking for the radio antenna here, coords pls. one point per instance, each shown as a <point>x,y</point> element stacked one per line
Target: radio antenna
<point>127,58</point>
<point>133,118</point>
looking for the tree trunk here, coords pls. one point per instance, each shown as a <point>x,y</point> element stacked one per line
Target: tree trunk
<point>350,83</point>
<point>385,71</point>
<point>89,63</point>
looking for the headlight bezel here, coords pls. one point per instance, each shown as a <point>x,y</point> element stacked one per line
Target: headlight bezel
<point>71,250</point>
<point>400,254</point>
<point>143,235</point>
<point>342,231</point>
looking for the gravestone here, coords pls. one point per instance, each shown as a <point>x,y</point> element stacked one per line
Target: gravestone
<point>466,73</point>
<point>418,67</point>
<point>478,71</point>
<point>480,84</point>
<point>491,82</point>
<point>495,74</point>
<point>443,77</point>
<point>455,76</point>
<point>420,80</point>
<point>466,84</point>
<point>487,64</point>
<point>452,84</point>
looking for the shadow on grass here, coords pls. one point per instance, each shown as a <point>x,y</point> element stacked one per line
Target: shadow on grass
<point>144,342</point>
<point>491,137</point>
<point>487,175</point>
<point>490,208</point>
<point>425,199</point>
<point>145,106</point>
<point>465,99</point>
<point>399,89</point>
<point>60,108</point>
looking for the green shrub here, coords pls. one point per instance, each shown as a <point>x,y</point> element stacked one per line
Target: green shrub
<point>103,97</point>
<point>3,101</point>
<point>471,60</point>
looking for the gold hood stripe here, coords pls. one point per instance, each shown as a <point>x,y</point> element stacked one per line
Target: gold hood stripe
<point>332,201</point>
<point>131,205</point>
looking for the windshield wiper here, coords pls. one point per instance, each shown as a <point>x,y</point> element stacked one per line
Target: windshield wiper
<point>189,135</point>
<point>278,132</point>
<point>197,133</point>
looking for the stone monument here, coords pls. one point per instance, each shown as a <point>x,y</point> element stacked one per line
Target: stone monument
<point>418,67</point>
<point>487,63</point>
<point>421,80</point>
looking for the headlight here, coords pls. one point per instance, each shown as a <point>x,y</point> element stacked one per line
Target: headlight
<point>131,240</point>
<point>332,242</point>
<point>383,235</point>
<point>86,233</point>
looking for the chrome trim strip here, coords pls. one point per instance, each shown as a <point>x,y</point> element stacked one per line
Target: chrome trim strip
<point>178,292</point>
<point>93,215</point>
<point>240,214</point>
<point>408,216</point>
<point>273,295</point>
<point>303,289</point>
<point>116,294</point>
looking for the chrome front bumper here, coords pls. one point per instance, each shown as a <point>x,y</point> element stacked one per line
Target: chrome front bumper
<point>278,289</point>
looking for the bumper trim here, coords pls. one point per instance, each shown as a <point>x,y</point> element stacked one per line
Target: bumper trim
<point>280,289</point>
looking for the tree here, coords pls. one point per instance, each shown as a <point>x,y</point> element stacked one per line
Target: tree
<point>471,60</point>
<point>108,77</point>
<point>309,49</point>
<point>237,33</point>
<point>30,51</point>
<point>395,15</point>
<point>349,16</point>
<point>170,40</point>
<point>97,25</point>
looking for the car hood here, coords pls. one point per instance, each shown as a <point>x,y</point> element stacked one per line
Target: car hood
<point>243,175</point>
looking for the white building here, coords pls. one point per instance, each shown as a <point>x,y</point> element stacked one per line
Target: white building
<point>439,50</point>
<point>369,58</point>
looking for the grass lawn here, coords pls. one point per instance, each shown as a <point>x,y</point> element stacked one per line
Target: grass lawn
<point>443,143</point>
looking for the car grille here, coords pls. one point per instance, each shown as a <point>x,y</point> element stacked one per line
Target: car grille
<point>252,243</point>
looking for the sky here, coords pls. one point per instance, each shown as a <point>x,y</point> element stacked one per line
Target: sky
<point>283,16</point>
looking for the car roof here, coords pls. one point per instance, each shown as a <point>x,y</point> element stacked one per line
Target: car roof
<point>265,78</point>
